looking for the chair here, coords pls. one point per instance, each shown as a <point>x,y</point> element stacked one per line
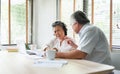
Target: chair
<point>116,71</point>
<point>115,57</point>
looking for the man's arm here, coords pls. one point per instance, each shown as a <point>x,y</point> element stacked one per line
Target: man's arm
<point>73,54</point>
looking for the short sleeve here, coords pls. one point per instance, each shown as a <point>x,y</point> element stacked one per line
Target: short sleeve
<point>88,41</point>
<point>50,43</point>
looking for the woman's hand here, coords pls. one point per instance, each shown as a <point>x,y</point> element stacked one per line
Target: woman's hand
<point>55,49</point>
<point>47,48</point>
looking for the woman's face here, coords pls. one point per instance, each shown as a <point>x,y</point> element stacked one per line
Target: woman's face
<point>59,32</point>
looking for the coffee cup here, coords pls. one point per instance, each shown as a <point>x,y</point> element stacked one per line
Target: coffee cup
<point>50,54</point>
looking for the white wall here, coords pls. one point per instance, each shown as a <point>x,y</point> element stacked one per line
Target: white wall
<point>44,14</point>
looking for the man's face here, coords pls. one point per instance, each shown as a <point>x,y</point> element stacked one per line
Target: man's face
<point>75,25</point>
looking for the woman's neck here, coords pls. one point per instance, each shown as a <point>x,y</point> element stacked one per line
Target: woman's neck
<point>61,40</point>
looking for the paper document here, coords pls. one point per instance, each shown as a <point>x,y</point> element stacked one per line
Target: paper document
<point>50,63</point>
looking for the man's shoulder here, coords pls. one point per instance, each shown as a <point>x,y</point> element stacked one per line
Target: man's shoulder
<point>90,28</point>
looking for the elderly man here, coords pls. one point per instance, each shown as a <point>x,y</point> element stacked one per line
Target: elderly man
<point>93,44</point>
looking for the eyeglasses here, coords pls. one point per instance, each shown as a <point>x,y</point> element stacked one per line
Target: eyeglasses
<point>73,23</point>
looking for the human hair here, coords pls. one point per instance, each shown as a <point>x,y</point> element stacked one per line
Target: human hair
<point>80,17</point>
<point>61,24</point>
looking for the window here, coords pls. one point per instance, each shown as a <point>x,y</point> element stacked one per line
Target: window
<point>16,21</point>
<point>67,7</point>
<point>106,16</point>
<point>116,23</point>
<point>66,11</point>
<point>102,13</point>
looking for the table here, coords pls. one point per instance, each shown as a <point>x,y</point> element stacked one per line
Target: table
<point>16,63</point>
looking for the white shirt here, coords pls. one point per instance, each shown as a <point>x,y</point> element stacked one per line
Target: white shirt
<point>94,43</point>
<point>64,47</point>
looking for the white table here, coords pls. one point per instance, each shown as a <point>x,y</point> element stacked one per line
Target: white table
<point>15,63</point>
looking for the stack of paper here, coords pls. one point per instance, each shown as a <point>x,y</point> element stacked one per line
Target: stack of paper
<point>50,63</point>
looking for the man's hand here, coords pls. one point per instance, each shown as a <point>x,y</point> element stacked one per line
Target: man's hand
<point>71,43</point>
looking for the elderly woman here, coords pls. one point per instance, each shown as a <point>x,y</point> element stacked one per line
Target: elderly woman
<point>60,42</point>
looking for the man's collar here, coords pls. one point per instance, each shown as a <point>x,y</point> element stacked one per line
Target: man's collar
<point>83,27</point>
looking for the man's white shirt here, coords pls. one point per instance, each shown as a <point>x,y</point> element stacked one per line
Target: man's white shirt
<point>94,43</point>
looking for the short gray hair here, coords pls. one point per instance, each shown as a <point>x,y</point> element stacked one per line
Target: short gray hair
<point>80,17</point>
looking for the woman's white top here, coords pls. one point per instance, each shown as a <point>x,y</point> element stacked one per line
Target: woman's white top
<point>63,47</point>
